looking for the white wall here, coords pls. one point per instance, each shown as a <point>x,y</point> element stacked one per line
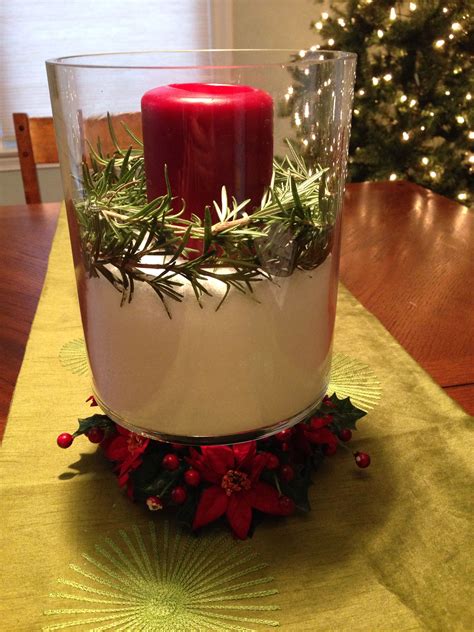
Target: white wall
<point>274,23</point>
<point>11,187</point>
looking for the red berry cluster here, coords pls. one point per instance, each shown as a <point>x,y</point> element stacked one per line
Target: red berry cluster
<point>95,435</point>
<point>284,439</point>
<point>284,470</point>
<point>179,493</point>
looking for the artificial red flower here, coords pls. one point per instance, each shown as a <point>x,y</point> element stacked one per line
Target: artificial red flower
<point>314,432</point>
<point>301,445</point>
<point>92,400</point>
<point>126,449</point>
<point>235,488</point>
<point>321,436</point>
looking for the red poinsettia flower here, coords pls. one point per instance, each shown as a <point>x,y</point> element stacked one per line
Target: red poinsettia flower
<point>314,432</point>
<point>235,488</point>
<point>126,449</point>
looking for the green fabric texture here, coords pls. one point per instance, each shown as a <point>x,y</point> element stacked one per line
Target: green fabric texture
<point>386,548</point>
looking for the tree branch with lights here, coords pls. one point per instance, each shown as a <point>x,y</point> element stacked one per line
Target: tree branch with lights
<point>413,96</point>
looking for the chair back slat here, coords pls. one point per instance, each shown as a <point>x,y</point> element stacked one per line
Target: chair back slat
<point>43,140</point>
<point>98,128</point>
<point>27,158</point>
<point>37,144</point>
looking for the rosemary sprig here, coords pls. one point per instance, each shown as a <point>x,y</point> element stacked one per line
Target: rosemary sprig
<point>292,229</point>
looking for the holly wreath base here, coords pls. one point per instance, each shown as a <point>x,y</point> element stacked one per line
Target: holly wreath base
<point>240,482</point>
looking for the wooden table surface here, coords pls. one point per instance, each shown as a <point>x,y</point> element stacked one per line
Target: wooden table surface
<point>407,256</point>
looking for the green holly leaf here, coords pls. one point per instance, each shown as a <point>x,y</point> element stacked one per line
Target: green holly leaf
<point>186,512</point>
<point>143,477</point>
<point>297,489</point>
<point>345,414</point>
<point>96,421</point>
<point>317,457</point>
<point>151,480</point>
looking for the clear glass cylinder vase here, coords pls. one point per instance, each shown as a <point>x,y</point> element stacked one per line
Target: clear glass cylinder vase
<point>203,192</point>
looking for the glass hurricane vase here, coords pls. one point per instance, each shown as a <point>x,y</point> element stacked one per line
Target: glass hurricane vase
<point>203,192</point>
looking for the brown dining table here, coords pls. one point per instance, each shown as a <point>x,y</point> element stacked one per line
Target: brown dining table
<point>407,255</point>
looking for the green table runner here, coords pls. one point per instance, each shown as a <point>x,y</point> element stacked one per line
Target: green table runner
<point>383,549</point>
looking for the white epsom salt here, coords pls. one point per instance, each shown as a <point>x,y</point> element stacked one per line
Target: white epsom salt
<point>205,372</point>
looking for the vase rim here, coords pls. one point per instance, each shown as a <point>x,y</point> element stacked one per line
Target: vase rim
<point>303,58</point>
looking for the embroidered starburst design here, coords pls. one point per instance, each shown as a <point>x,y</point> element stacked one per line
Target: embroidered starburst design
<point>354,379</point>
<point>156,580</point>
<point>73,356</point>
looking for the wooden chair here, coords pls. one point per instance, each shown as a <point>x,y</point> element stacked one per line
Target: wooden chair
<point>94,129</point>
<point>36,145</point>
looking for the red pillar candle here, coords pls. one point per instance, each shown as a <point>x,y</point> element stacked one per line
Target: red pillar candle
<point>208,135</point>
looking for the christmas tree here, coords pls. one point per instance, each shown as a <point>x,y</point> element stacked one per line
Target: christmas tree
<point>413,107</point>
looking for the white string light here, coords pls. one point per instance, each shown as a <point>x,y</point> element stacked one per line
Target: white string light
<point>302,53</point>
<point>439,44</point>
